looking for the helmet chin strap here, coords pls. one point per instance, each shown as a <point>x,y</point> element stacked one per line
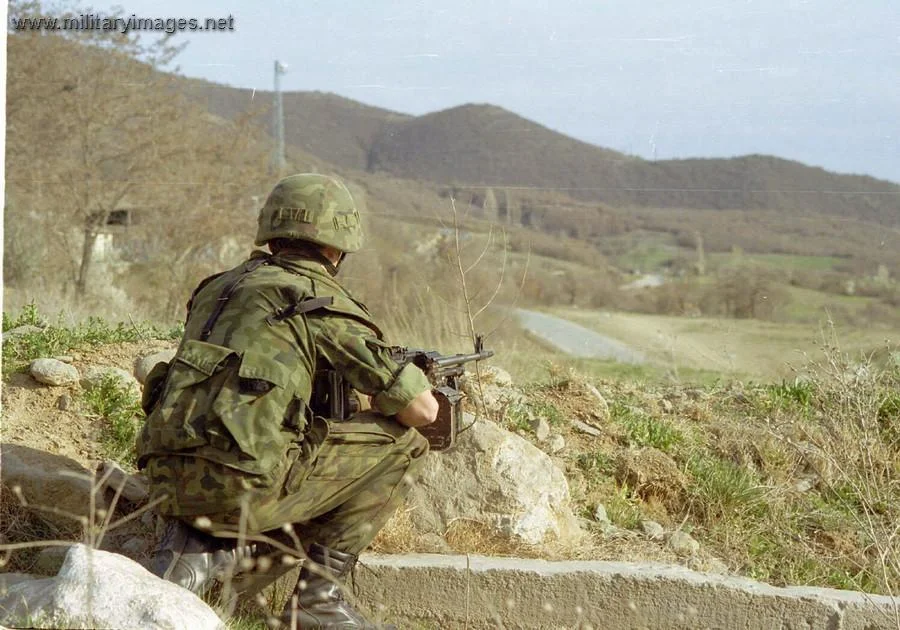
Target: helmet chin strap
<point>337,265</point>
<point>330,267</point>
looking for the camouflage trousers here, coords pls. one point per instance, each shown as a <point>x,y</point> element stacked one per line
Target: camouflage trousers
<point>339,496</point>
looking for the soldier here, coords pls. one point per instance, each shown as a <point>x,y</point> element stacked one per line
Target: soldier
<point>234,441</point>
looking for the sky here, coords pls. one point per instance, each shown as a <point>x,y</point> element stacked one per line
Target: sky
<point>811,80</point>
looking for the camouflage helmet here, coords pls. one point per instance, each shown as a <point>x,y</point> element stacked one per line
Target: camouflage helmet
<point>311,207</point>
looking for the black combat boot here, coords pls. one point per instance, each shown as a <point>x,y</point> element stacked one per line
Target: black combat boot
<point>320,601</point>
<point>193,559</point>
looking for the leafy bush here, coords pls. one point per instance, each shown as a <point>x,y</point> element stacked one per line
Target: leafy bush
<point>120,412</point>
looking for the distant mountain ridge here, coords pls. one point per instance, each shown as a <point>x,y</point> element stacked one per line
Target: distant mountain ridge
<point>333,128</point>
<point>486,145</point>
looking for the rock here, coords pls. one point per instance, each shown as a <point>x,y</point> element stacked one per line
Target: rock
<point>98,589</point>
<point>601,411</point>
<point>557,443</point>
<point>714,565</point>
<point>48,480</point>
<point>9,579</point>
<point>49,560</point>
<point>600,514</point>
<point>495,375</point>
<point>53,372</point>
<point>653,530</point>
<point>148,520</point>
<point>611,532</point>
<point>431,542</point>
<point>492,398</point>
<point>133,488</point>
<point>584,427</point>
<point>21,331</point>
<point>135,548</point>
<point>143,365</point>
<point>541,428</point>
<point>496,478</point>
<point>816,462</point>
<point>683,544</point>
<point>806,483</point>
<point>95,375</point>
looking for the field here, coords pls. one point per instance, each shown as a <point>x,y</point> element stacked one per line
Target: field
<point>744,349</point>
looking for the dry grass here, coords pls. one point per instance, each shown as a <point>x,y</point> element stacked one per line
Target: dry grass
<point>19,524</point>
<point>398,535</point>
<point>469,536</point>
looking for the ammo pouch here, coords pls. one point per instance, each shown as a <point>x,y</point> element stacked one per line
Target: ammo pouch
<point>236,409</point>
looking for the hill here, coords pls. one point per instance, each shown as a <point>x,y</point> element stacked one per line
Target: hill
<point>486,145</point>
<point>489,146</point>
<point>336,129</point>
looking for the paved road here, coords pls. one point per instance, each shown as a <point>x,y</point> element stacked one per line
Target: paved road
<point>576,340</point>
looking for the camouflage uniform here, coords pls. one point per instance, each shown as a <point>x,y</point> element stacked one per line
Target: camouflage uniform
<point>229,430</point>
<point>233,426</point>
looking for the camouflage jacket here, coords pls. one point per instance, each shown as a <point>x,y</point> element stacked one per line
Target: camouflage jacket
<point>236,391</point>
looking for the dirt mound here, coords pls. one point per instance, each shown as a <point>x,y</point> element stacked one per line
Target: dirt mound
<point>52,418</point>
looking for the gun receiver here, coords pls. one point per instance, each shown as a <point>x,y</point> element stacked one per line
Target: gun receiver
<point>335,398</point>
<point>445,373</point>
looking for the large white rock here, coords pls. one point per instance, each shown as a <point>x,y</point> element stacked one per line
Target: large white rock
<point>497,478</point>
<point>53,372</point>
<point>95,375</point>
<point>21,331</point>
<point>143,365</point>
<point>56,487</point>
<point>98,589</point>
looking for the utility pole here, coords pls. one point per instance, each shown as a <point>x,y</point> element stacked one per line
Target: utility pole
<point>278,161</point>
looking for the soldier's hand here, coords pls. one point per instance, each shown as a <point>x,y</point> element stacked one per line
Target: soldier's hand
<point>365,402</point>
<point>421,411</point>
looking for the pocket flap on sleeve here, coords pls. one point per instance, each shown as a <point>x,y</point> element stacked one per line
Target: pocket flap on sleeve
<point>258,366</point>
<point>204,357</point>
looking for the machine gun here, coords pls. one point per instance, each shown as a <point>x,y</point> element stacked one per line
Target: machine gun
<point>445,372</point>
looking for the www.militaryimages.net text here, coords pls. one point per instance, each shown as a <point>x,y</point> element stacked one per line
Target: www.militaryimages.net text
<point>96,22</point>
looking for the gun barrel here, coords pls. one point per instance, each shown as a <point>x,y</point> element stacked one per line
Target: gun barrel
<point>459,359</point>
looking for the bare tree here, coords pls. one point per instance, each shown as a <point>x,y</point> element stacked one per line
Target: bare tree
<point>94,125</point>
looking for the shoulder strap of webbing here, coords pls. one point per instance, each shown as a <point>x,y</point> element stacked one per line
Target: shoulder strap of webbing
<point>298,308</point>
<point>226,294</point>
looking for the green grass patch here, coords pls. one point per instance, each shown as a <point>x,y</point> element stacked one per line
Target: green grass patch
<point>651,252</point>
<point>780,261</point>
<point>889,419</point>
<point>520,416</point>
<point>798,397</point>
<point>721,489</point>
<point>245,621</point>
<point>644,430</point>
<point>53,340</point>
<point>808,305</point>
<point>624,508</point>
<point>595,465</point>
<point>645,373</point>
<point>120,412</point>
<point>776,558</point>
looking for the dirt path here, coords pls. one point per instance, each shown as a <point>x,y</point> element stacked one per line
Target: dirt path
<point>576,340</point>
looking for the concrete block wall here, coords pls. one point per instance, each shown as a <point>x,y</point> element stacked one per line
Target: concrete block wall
<point>424,591</point>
